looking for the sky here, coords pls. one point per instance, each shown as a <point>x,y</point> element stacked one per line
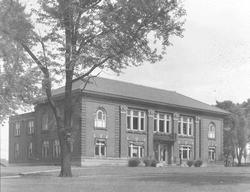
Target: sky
<point>210,63</point>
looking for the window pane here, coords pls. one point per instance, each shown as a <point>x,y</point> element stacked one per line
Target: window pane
<point>141,152</point>
<point>185,154</point>
<point>185,128</point>
<point>99,115</point>
<point>161,125</point>
<point>142,124</point>
<point>128,122</point>
<point>190,129</point>
<point>97,150</point>
<point>168,126</point>
<point>155,125</point>
<point>103,150</point>
<point>135,123</point>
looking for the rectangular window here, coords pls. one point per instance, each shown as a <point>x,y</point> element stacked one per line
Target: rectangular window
<point>162,122</point>
<point>45,149</point>
<point>184,152</point>
<point>135,123</point>
<point>161,126</point>
<point>31,127</point>
<point>135,150</point>
<point>56,149</point>
<point>128,122</point>
<point>185,126</point>
<point>168,127</point>
<point>30,150</point>
<point>135,120</point>
<point>211,153</point>
<point>190,129</point>
<point>100,148</point>
<point>17,129</point>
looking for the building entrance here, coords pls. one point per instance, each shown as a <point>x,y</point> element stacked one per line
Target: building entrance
<point>163,152</point>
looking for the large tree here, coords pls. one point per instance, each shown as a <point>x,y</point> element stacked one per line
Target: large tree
<point>74,38</point>
<point>237,128</point>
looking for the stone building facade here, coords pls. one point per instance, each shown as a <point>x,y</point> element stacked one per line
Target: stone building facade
<point>113,121</point>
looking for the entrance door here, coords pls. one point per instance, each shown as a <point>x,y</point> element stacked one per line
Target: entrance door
<point>163,153</point>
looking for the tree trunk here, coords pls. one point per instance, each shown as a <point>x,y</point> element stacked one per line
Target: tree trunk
<point>239,156</point>
<point>65,155</point>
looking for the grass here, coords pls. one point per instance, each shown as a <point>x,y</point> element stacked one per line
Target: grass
<point>215,179</point>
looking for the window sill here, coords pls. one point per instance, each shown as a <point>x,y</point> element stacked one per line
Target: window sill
<point>162,133</point>
<point>100,128</point>
<point>186,136</point>
<point>137,132</point>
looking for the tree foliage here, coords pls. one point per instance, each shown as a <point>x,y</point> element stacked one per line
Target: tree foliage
<point>19,79</point>
<point>237,128</point>
<point>74,38</point>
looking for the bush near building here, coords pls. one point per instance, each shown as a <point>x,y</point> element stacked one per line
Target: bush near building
<point>134,162</point>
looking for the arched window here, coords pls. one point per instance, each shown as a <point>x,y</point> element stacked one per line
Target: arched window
<point>211,131</point>
<point>100,118</point>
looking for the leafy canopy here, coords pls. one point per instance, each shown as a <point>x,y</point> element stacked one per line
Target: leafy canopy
<point>79,36</point>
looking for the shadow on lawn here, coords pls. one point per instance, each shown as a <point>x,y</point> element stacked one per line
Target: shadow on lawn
<point>199,179</point>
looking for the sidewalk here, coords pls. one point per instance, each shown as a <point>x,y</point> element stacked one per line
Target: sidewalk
<point>16,171</point>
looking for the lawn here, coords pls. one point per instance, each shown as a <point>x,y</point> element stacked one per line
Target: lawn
<point>123,179</point>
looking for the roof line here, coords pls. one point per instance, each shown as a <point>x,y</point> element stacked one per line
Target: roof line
<point>155,102</point>
<point>124,82</point>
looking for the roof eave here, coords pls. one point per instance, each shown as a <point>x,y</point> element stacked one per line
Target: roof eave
<point>155,102</point>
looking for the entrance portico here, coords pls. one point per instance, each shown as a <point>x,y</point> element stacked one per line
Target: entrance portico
<point>163,151</point>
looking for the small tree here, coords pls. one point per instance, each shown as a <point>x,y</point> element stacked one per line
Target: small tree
<point>77,37</point>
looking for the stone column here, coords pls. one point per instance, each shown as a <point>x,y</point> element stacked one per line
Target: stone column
<point>123,131</point>
<point>150,134</point>
<point>172,154</point>
<point>175,134</point>
<point>197,138</point>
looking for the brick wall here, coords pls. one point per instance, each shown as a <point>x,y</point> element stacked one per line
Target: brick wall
<point>206,142</point>
<point>116,134</point>
<point>23,139</point>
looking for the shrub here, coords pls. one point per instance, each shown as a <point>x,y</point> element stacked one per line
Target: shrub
<point>147,162</point>
<point>190,163</point>
<point>150,162</point>
<point>198,163</point>
<point>134,162</point>
<point>153,163</point>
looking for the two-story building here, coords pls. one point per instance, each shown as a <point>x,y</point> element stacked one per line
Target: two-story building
<point>114,120</point>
